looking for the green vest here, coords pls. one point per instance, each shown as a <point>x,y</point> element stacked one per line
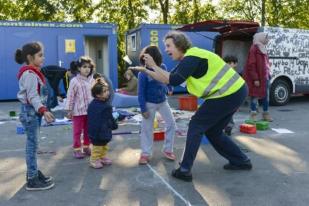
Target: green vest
<point>220,79</point>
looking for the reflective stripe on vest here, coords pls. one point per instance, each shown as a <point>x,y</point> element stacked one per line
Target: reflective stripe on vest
<point>215,83</point>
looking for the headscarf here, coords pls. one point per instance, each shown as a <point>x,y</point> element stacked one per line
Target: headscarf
<point>260,39</point>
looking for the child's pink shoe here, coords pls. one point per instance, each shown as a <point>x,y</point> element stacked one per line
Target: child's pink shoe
<point>78,154</point>
<point>96,164</point>
<point>106,161</point>
<point>87,151</point>
<point>169,155</point>
<point>144,159</point>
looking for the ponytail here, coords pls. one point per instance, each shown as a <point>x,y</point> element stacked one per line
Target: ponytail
<point>28,49</point>
<point>18,56</point>
<point>98,87</point>
<point>74,67</point>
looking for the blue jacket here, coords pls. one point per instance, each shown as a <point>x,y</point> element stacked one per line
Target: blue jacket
<point>150,90</point>
<point>100,122</point>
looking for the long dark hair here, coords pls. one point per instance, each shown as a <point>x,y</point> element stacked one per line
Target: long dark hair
<point>27,49</point>
<point>154,52</point>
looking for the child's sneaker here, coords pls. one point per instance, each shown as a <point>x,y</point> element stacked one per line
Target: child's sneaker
<point>106,161</point>
<point>144,159</point>
<point>78,154</point>
<point>97,164</point>
<point>44,178</point>
<point>87,151</point>
<point>35,184</point>
<point>169,155</point>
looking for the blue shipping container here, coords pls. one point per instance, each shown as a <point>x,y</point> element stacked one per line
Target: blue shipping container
<point>63,42</point>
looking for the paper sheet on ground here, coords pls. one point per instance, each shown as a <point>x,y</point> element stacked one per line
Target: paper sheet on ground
<point>282,131</point>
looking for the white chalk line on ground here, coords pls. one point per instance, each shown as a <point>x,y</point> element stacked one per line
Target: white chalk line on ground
<point>13,150</point>
<point>169,186</point>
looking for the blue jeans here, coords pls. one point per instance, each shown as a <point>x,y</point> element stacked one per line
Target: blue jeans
<point>264,101</point>
<point>31,122</point>
<point>211,119</point>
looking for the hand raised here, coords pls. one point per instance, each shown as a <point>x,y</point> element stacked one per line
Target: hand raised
<point>138,68</point>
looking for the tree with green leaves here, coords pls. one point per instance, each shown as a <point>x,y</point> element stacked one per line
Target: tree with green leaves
<point>188,12</point>
<point>47,10</point>
<point>163,6</point>
<point>128,14</point>
<point>285,13</point>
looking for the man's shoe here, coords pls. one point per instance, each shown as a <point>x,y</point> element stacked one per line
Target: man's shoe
<point>44,178</point>
<point>246,166</point>
<point>35,184</point>
<point>185,176</point>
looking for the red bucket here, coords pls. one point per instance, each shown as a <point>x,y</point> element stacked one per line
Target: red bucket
<point>187,103</point>
<point>158,135</point>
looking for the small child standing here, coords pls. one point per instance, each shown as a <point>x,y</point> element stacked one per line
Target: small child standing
<point>152,98</point>
<point>100,124</point>
<point>232,61</point>
<point>31,82</point>
<point>78,99</point>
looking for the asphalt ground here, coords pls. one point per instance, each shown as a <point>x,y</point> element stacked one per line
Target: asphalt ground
<point>280,174</point>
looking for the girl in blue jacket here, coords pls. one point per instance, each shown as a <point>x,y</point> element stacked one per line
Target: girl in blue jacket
<point>152,99</point>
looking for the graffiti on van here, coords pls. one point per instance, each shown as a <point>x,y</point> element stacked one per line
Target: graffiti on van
<point>288,51</point>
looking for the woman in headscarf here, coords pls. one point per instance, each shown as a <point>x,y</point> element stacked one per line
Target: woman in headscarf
<point>257,75</point>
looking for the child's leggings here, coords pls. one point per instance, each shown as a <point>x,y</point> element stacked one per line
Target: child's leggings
<point>98,152</point>
<point>79,126</point>
<point>147,127</point>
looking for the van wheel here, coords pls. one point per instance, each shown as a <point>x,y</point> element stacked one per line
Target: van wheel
<point>280,93</point>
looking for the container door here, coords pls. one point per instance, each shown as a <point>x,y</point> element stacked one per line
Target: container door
<point>70,48</point>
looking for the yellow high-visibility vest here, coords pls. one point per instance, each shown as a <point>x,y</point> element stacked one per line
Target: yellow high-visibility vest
<point>220,79</point>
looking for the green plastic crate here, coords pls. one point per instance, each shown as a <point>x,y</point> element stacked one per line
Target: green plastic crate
<point>249,121</point>
<point>262,125</point>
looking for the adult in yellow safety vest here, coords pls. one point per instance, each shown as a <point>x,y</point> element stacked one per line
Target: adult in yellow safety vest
<point>207,77</point>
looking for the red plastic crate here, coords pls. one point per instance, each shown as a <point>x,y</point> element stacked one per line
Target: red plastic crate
<point>247,128</point>
<point>187,103</point>
<point>158,135</point>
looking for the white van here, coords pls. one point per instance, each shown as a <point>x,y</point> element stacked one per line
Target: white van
<point>288,51</point>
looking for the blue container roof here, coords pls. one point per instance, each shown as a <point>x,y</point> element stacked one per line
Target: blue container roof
<point>55,24</point>
<point>154,26</point>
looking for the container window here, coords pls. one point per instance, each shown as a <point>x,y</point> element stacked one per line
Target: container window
<point>133,42</point>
